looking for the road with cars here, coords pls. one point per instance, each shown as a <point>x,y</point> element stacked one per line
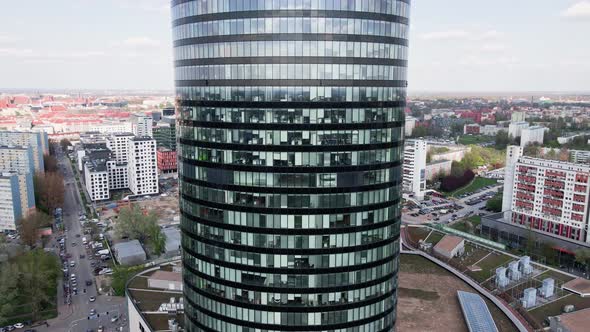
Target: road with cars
<point>80,306</point>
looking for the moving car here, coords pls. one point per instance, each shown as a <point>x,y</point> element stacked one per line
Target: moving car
<point>92,299</point>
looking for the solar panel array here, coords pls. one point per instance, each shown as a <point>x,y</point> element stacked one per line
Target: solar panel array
<point>476,312</point>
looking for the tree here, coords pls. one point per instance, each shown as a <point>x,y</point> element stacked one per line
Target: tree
<point>9,292</point>
<point>49,191</point>
<point>50,163</point>
<point>564,154</point>
<point>64,143</point>
<point>38,272</point>
<point>135,224</point>
<point>583,257</point>
<point>502,139</point>
<point>29,227</point>
<point>495,203</point>
<point>532,150</point>
<point>121,274</point>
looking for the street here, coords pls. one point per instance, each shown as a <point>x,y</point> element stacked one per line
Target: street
<point>75,316</point>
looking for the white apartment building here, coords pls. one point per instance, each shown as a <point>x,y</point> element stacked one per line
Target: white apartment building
<point>142,166</point>
<point>119,144</point>
<point>96,178</point>
<point>515,128</point>
<point>118,175</point>
<point>512,154</point>
<point>414,168</point>
<point>517,117</point>
<point>550,197</point>
<point>141,125</point>
<point>126,162</point>
<point>10,201</point>
<point>103,127</point>
<point>532,135</point>
<point>580,156</point>
<point>409,126</point>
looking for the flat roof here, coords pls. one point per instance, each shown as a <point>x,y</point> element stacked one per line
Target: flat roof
<point>448,243</point>
<point>166,275</point>
<point>579,286</point>
<point>576,321</point>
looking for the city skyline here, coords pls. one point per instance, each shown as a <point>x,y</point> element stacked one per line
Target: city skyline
<point>476,47</point>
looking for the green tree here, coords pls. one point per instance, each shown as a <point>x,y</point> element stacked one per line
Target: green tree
<point>49,191</point>
<point>502,139</point>
<point>122,274</point>
<point>37,272</point>
<point>29,227</point>
<point>583,257</point>
<point>495,203</point>
<point>135,224</point>
<point>9,291</point>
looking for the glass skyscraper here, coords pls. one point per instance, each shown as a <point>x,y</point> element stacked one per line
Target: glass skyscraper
<point>290,144</point>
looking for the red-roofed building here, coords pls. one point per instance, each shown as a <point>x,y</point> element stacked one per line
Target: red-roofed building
<point>58,108</point>
<point>21,100</point>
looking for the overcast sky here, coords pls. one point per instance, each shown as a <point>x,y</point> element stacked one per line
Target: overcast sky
<point>456,45</point>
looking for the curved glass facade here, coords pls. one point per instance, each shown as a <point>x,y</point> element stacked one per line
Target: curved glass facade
<point>290,125</point>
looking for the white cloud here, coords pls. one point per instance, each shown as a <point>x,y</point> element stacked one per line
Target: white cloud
<point>461,34</point>
<point>444,35</point>
<point>156,6</point>
<point>493,47</point>
<point>578,10</point>
<point>144,42</point>
<point>20,52</point>
<point>4,39</point>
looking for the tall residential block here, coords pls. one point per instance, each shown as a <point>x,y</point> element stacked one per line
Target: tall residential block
<point>414,180</point>
<point>38,141</point>
<point>291,117</point>
<point>550,197</point>
<point>142,125</point>
<point>10,201</point>
<point>142,166</point>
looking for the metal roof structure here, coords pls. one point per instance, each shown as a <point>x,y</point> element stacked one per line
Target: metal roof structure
<point>476,312</point>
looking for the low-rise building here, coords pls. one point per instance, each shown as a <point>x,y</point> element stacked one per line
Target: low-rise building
<point>129,253</point>
<point>450,246</point>
<point>168,280</point>
<point>577,321</point>
<point>471,129</point>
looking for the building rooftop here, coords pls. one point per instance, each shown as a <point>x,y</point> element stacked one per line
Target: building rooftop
<point>576,321</point>
<point>166,275</point>
<point>476,312</point>
<point>149,302</point>
<point>122,134</point>
<point>139,139</point>
<point>448,243</point>
<point>128,249</point>
<point>579,286</point>
<point>172,239</point>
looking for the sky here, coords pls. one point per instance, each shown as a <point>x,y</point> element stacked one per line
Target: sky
<point>455,45</point>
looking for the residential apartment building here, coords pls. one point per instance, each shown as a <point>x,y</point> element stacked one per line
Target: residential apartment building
<point>96,179</point>
<point>118,143</point>
<point>532,135</point>
<point>142,166</point>
<point>409,125</point>
<point>10,201</point>
<point>515,128</point>
<point>167,161</point>
<point>17,158</point>
<point>38,141</point>
<point>142,125</point>
<point>551,197</point>
<point>414,167</point>
<point>123,161</point>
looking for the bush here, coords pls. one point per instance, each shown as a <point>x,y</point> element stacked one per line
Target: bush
<point>451,183</point>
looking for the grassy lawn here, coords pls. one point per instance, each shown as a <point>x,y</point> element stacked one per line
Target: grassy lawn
<point>419,264</point>
<point>555,275</point>
<point>476,184</point>
<point>556,308</point>
<point>418,233</point>
<point>435,237</point>
<point>418,294</point>
<point>489,265</point>
<point>467,225</point>
<point>473,254</point>
<point>477,139</point>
